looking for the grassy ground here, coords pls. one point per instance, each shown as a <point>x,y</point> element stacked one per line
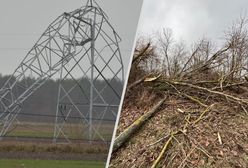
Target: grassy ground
<point>73,131</point>
<point>49,164</point>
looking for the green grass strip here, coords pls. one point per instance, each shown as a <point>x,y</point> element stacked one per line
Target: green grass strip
<point>5,163</point>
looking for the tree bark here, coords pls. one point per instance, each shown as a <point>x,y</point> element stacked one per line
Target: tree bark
<point>132,129</point>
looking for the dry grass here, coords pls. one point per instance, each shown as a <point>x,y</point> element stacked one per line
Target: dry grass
<point>83,148</point>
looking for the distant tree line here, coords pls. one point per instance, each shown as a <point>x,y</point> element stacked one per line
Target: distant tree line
<point>162,54</point>
<point>43,103</point>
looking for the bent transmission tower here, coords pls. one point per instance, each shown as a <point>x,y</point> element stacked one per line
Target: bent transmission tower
<point>81,46</point>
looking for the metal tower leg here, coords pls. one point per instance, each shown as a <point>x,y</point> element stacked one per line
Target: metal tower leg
<point>92,78</point>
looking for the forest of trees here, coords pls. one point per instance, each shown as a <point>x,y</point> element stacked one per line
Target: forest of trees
<point>44,101</point>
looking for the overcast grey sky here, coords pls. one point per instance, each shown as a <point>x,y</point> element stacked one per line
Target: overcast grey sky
<point>191,20</point>
<point>23,21</point>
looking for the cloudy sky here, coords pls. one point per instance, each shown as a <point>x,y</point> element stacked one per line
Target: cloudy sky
<point>191,20</point>
<point>23,21</point>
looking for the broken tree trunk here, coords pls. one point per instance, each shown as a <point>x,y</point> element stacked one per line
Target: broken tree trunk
<point>126,134</point>
<point>136,58</point>
<point>136,83</point>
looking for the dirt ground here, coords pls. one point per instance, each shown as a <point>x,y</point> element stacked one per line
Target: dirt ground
<point>219,139</point>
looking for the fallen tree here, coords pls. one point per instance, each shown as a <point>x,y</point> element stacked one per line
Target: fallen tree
<point>132,129</point>
<point>204,120</point>
<point>188,85</point>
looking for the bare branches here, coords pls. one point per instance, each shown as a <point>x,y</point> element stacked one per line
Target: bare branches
<point>165,41</point>
<point>203,113</point>
<point>156,162</point>
<point>141,53</point>
<point>229,58</point>
<point>233,98</point>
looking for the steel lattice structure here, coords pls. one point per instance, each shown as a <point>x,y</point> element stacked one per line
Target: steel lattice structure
<point>79,43</point>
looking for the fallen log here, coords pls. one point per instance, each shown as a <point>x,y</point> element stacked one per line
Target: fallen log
<point>132,129</point>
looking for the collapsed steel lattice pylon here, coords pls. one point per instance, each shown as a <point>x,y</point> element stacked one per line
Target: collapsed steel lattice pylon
<point>79,43</point>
